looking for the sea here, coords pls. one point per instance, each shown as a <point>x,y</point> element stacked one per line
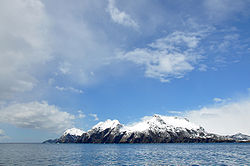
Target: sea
<point>125,154</point>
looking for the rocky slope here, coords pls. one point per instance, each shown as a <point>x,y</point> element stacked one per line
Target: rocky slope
<point>239,137</point>
<point>154,129</point>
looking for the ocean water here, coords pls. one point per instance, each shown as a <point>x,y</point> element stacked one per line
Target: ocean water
<point>125,154</point>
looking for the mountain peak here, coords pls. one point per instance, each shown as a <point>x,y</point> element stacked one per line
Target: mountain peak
<point>160,122</point>
<point>73,131</point>
<point>107,124</point>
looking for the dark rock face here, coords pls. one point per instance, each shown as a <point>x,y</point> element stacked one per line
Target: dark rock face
<point>68,139</point>
<point>50,141</point>
<point>239,137</point>
<point>64,139</point>
<point>107,136</point>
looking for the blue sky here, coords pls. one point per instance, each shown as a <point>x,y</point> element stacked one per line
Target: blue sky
<point>72,64</point>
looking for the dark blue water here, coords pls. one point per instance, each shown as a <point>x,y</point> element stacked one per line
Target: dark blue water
<point>124,154</point>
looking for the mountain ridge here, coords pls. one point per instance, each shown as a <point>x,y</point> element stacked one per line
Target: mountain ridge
<point>151,129</point>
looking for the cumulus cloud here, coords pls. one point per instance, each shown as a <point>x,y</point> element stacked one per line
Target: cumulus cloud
<point>229,118</point>
<point>169,57</point>
<point>37,115</point>
<point>94,116</point>
<point>23,44</point>
<point>119,16</point>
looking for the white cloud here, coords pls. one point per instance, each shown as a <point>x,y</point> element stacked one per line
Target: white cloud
<point>169,57</point>
<point>80,47</point>
<point>94,116</point>
<point>228,118</point>
<point>228,47</point>
<point>120,17</point>
<point>23,44</point>
<point>75,90</point>
<point>220,100</point>
<point>28,38</point>
<point>60,88</point>
<point>216,99</point>
<point>36,115</point>
<point>71,89</point>
<point>227,42</point>
<point>81,115</point>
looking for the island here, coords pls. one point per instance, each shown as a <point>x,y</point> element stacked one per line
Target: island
<point>154,129</point>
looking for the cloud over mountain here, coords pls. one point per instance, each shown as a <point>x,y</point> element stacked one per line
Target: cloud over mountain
<point>228,118</point>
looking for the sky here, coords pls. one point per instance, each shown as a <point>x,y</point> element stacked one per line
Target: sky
<point>75,63</point>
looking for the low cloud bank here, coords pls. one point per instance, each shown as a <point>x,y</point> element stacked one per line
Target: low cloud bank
<point>229,118</point>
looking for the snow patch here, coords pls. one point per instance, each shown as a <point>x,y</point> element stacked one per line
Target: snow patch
<point>159,122</point>
<point>73,131</point>
<point>107,124</point>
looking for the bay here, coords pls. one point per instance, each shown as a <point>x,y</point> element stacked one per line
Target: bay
<point>125,154</point>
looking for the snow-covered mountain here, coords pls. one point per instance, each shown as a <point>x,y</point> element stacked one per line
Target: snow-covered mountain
<point>73,131</point>
<point>111,124</point>
<point>158,122</point>
<point>151,129</point>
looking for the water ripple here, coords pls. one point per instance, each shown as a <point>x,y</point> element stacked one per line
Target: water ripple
<point>124,154</point>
